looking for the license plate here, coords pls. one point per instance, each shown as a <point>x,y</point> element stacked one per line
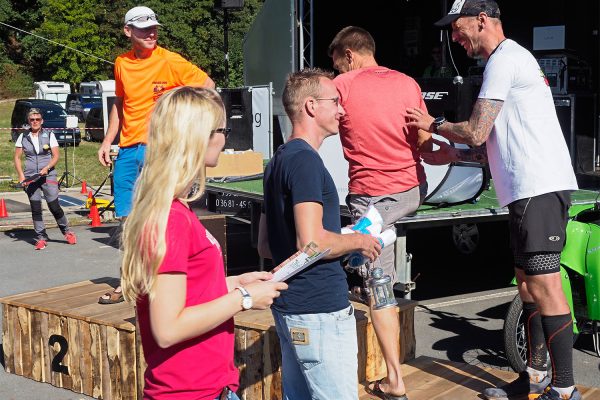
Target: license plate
<point>69,137</point>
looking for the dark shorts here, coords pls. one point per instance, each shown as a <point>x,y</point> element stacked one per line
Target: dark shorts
<point>538,224</point>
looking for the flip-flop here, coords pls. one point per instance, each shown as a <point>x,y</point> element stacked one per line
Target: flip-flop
<point>376,391</point>
<point>113,298</point>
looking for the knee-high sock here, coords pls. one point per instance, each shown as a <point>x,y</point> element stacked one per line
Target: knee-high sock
<point>558,330</point>
<point>534,334</point>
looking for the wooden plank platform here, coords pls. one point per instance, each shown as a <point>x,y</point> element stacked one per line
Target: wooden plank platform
<point>433,379</point>
<point>62,336</point>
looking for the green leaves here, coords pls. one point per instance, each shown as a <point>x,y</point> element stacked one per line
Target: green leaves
<point>193,29</point>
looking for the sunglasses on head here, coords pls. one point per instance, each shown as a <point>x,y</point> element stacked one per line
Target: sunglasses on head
<point>144,18</point>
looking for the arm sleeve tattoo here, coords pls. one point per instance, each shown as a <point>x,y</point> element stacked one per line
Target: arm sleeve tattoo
<point>476,154</point>
<point>476,130</point>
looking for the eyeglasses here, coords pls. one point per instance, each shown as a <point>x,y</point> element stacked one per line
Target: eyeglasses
<point>336,100</point>
<point>224,131</point>
<point>35,119</point>
<point>143,18</point>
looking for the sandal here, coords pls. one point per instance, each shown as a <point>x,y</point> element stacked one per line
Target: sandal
<point>111,298</point>
<point>376,391</point>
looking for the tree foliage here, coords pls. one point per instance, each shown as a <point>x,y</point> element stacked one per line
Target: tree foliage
<point>95,27</point>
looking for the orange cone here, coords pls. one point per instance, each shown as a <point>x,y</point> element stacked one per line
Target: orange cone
<point>84,187</point>
<point>3,212</point>
<point>94,215</point>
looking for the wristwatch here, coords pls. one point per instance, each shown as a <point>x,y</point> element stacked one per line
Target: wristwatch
<point>246,298</point>
<point>437,122</point>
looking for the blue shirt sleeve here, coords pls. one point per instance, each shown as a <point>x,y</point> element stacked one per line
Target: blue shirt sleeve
<point>305,179</point>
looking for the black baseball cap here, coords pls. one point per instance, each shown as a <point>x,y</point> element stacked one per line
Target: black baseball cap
<point>469,8</point>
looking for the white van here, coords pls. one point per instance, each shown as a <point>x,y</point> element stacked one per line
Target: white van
<point>56,91</point>
<point>96,87</point>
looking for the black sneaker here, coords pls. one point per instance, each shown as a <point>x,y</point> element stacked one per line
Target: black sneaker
<point>552,394</point>
<point>519,387</point>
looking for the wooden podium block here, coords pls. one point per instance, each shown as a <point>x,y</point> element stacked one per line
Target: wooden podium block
<point>258,356</point>
<point>62,336</point>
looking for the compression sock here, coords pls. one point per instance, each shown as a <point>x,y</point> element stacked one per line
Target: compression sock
<point>558,330</point>
<point>536,343</point>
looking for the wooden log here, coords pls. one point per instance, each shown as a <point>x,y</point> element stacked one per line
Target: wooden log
<point>254,365</point>
<point>37,343</point>
<point>127,360</point>
<point>240,359</point>
<point>25,334</point>
<point>86,363</point>
<point>116,375</point>
<point>46,359</point>
<point>75,355</point>
<point>65,363</point>
<point>97,365</point>
<point>106,378</point>
<point>408,342</point>
<point>272,386</point>
<point>8,338</point>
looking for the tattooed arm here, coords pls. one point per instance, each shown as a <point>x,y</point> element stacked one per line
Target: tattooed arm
<point>446,154</point>
<point>476,154</point>
<point>473,132</point>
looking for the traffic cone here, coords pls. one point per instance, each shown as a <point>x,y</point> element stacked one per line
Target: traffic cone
<point>84,187</point>
<point>3,212</point>
<point>94,214</point>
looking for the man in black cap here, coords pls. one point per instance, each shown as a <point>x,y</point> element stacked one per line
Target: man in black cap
<point>530,163</point>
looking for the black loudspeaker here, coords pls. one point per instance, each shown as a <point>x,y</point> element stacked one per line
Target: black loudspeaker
<point>576,115</point>
<point>238,105</point>
<point>445,98</point>
<point>229,3</point>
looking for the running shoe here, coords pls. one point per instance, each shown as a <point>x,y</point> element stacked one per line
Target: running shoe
<point>71,238</point>
<point>520,387</point>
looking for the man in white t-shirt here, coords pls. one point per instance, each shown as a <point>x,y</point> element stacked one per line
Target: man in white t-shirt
<point>530,164</point>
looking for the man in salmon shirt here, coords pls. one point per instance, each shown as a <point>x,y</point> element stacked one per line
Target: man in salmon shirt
<point>142,75</point>
<point>384,163</point>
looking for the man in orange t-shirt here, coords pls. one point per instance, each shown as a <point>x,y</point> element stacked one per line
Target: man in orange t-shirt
<point>142,75</point>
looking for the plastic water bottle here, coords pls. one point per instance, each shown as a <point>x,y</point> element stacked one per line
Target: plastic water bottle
<point>385,238</point>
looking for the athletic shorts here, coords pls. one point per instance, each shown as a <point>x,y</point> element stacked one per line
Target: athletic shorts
<point>538,224</point>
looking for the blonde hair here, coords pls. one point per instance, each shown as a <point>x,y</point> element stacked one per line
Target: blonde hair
<point>178,134</point>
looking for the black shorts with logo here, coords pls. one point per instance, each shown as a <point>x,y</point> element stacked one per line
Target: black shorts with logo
<point>538,224</point>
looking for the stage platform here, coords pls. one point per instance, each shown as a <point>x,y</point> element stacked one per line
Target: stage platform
<point>432,379</point>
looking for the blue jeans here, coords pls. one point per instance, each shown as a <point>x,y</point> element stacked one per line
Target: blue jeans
<point>128,166</point>
<point>319,355</point>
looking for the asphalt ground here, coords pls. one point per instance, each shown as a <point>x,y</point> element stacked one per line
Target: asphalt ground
<point>455,320</point>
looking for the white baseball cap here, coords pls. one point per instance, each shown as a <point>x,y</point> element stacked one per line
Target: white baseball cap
<point>141,17</point>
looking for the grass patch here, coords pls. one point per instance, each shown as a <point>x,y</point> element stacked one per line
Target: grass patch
<point>82,161</point>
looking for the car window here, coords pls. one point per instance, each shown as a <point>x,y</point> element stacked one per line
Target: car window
<point>91,99</point>
<point>54,113</point>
